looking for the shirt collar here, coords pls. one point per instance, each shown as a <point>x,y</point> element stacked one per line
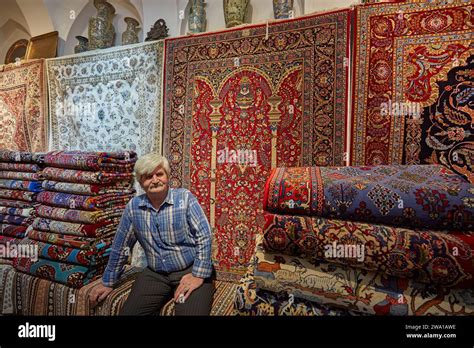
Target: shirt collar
<point>145,202</point>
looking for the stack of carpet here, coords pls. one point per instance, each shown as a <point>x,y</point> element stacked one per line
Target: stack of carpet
<point>84,196</point>
<point>383,240</point>
<point>20,183</point>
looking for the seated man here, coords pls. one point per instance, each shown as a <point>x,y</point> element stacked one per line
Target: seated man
<point>173,230</point>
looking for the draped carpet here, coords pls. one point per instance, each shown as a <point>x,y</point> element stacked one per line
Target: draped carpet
<point>23,107</point>
<point>412,85</point>
<point>107,100</point>
<point>240,102</point>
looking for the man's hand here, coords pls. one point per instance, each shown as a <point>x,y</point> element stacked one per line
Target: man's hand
<point>98,294</point>
<point>187,285</point>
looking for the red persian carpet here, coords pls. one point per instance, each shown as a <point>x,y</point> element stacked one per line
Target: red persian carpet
<point>412,83</point>
<point>241,102</point>
<point>23,107</point>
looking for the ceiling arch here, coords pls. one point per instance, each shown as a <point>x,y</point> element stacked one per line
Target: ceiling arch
<point>11,11</point>
<point>11,25</point>
<point>37,16</point>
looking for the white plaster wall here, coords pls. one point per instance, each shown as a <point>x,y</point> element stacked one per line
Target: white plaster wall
<point>325,5</point>
<point>156,9</point>
<point>10,11</point>
<point>63,14</point>
<point>37,16</point>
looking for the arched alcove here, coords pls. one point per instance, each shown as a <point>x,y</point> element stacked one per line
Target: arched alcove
<point>123,8</point>
<point>10,32</point>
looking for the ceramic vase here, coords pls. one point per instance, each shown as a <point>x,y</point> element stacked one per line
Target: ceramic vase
<point>130,35</point>
<point>101,28</point>
<point>234,12</point>
<point>282,8</point>
<point>197,16</point>
<point>82,45</point>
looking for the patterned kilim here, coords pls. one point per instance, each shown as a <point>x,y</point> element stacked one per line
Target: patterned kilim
<point>222,304</point>
<point>403,55</point>
<point>107,100</point>
<point>224,293</point>
<point>36,296</point>
<point>238,103</point>
<point>7,292</point>
<point>23,107</point>
<point>115,301</point>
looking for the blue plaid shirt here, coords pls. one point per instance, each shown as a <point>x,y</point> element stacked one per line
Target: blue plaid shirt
<point>174,237</point>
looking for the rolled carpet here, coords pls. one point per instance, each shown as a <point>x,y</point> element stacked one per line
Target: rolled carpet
<point>14,175</point>
<point>438,258</point>
<point>91,257</point>
<point>23,212</point>
<point>24,185</point>
<point>73,201</point>
<point>20,156</point>
<point>355,289</point>
<point>72,275</point>
<point>89,189</point>
<point>18,195</point>
<point>107,161</point>
<point>7,289</point>
<point>15,220</point>
<point>425,196</point>
<point>84,177</point>
<point>69,241</point>
<point>79,216</point>
<point>19,167</point>
<point>37,296</point>
<point>11,241</point>
<point>14,203</point>
<point>76,229</point>
<point>13,230</point>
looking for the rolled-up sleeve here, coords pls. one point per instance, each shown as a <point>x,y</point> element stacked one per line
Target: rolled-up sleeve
<point>202,231</point>
<point>122,246</point>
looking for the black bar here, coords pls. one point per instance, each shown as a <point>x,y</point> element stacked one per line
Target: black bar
<point>242,330</point>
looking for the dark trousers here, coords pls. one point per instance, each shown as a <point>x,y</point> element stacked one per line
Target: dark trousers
<point>151,291</point>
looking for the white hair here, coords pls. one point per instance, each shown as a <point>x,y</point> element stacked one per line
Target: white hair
<point>147,164</point>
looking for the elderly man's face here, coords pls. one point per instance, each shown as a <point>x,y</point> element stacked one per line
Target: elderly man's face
<point>156,182</point>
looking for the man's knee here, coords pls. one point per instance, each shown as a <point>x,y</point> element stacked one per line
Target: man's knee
<point>198,303</point>
<point>148,294</point>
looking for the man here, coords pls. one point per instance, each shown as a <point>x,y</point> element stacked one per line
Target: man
<point>173,230</point>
